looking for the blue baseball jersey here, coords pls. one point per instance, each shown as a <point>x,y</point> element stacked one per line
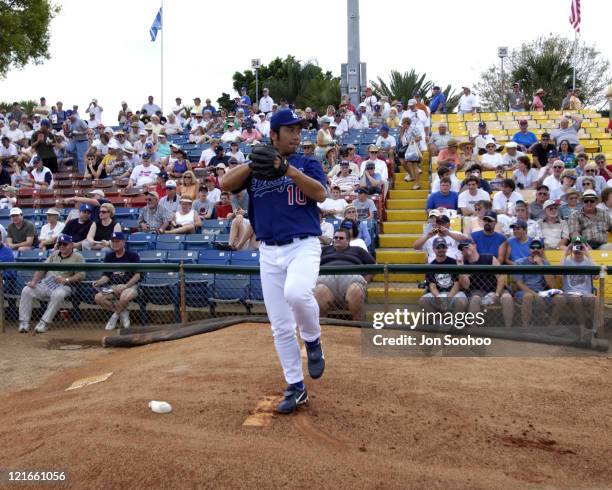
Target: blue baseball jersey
<point>279,210</point>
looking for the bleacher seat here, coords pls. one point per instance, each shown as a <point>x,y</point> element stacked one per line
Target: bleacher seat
<point>198,289</point>
<point>199,242</point>
<point>152,256</point>
<point>245,257</point>
<point>34,255</point>
<point>130,224</point>
<point>222,239</point>
<point>141,241</point>
<point>214,257</point>
<point>93,256</point>
<point>158,288</point>
<point>231,288</point>
<point>185,256</point>
<point>216,224</point>
<point>170,242</point>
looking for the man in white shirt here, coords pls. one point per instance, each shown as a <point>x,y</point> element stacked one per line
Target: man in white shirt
<point>510,159</point>
<point>8,151</point>
<point>15,134</point>
<point>441,229</point>
<point>505,200</point>
<point>263,126</point>
<point>143,174</point>
<point>341,124</point>
<point>96,110</point>
<point>370,101</point>
<point>234,152</point>
<point>553,182</point>
<point>265,103</point>
<point>380,167</point>
<point>172,126</point>
<point>214,194</point>
<point>43,177</point>
<point>334,205</point>
<point>179,111</point>
<point>472,195</point>
<point>417,116</point>
<point>359,120</point>
<point>209,152</point>
<point>232,134</point>
<point>385,141</point>
<point>150,107</point>
<point>43,109</point>
<point>468,103</point>
<point>482,139</point>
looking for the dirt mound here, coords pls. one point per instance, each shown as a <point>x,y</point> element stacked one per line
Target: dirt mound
<point>371,422</point>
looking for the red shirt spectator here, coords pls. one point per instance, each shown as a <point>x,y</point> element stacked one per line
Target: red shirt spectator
<point>224,206</point>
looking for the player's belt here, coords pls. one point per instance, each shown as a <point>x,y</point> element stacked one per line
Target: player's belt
<point>284,242</point>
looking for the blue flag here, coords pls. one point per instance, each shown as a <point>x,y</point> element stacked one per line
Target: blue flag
<point>156,26</point>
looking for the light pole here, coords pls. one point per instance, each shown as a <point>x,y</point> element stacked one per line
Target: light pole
<point>256,64</point>
<point>502,52</point>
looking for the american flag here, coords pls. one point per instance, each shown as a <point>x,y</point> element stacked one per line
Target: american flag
<point>575,15</point>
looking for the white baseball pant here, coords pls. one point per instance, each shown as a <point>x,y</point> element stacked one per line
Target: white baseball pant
<point>288,277</point>
<point>42,292</point>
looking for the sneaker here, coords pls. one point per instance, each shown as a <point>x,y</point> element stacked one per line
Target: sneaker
<point>316,360</point>
<point>407,178</point>
<point>293,398</point>
<point>41,327</point>
<point>112,322</point>
<point>125,318</point>
<point>24,327</point>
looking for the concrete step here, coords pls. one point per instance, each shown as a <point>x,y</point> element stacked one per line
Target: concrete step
<point>406,227</point>
<point>407,186</point>
<point>401,240</point>
<point>406,204</point>
<point>399,256</point>
<point>397,295</point>
<point>403,278</point>
<point>408,194</point>
<point>407,215</point>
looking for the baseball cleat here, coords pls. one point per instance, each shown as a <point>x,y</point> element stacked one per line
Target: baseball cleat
<point>316,360</point>
<point>24,327</point>
<point>293,398</point>
<point>112,322</point>
<point>41,327</point>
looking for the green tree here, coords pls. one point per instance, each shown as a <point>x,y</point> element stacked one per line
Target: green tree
<point>24,32</point>
<point>28,106</point>
<point>547,62</point>
<point>225,101</point>
<point>402,86</point>
<point>299,83</point>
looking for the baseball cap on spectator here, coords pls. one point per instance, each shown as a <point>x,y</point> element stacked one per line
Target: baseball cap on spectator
<point>549,202</point>
<point>175,146</point>
<point>146,156</point>
<point>230,124</point>
<point>362,104</point>
<point>118,235</point>
<point>482,124</point>
<point>171,183</point>
<point>465,243</point>
<point>186,199</point>
<point>344,163</point>
<point>370,165</point>
<point>439,241</point>
<point>108,130</point>
<point>148,145</point>
<point>589,193</point>
<point>373,148</point>
<point>511,144</point>
<point>221,165</point>
<point>63,238</point>
<point>519,223</point>
<point>85,208</point>
<point>15,212</point>
<point>600,157</point>
<point>434,212</point>
<point>219,148</point>
<point>53,211</point>
<point>350,146</point>
<point>142,132</point>
<point>361,190</point>
<point>36,160</point>
<point>152,193</point>
<point>163,174</point>
<point>578,240</point>
<point>9,188</point>
<point>536,243</point>
<point>552,153</point>
<point>119,132</point>
<point>333,125</point>
<point>384,127</point>
<point>97,192</point>
<point>284,117</point>
<point>232,161</point>
<point>70,112</point>
<point>45,122</point>
<point>490,216</point>
<point>113,145</point>
<point>443,217</point>
<point>149,126</point>
<point>412,102</point>
<point>308,143</point>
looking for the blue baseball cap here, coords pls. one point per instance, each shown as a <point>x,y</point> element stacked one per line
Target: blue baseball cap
<point>85,207</point>
<point>146,155</point>
<point>482,124</point>
<point>491,215</point>
<point>69,112</point>
<point>36,159</point>
<point>45,122</point>
<point>384,127</point>
<point>284,117</point>
<point>64,238</point>
<point>519,223</point>
<point>118,235</point>
<point>149,145</point>
<point>552,153</point>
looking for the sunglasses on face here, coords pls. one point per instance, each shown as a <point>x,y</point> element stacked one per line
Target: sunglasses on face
<point>103,211</point>
<point>589,201</point>
<point>591,171</point>
<point>339,238</point>
<point>556,167</point>
<point>535,247</point>
<point>441,247</point>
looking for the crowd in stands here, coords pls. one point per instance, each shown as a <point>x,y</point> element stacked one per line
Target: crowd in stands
<point>511,196</point>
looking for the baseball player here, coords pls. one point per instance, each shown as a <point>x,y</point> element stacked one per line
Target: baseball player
<point>284,189</point>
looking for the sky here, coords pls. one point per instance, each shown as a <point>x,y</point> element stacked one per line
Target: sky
<point>103,49</point>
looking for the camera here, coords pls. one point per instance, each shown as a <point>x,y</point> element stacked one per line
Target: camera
<point>577,248</point>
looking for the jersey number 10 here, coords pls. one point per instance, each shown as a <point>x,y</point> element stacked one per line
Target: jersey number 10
<point>295,195</point>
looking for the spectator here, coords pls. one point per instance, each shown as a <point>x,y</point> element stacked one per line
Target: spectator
<point>242,235</point>
<point>393,120</point>
<point>95,200</point>
<point>21,233</point>
<point>308,148</point>
<point>521,212</point>
<point>590,223</point>
<point>565,103</point>
<point>78,227</point>
<point>529,285</point>
<point>441,229</point>
<point>488,241</point>
<point>536,104</point>
<point>476,171</point>
<point>525,139</point>
<point>554,230</point>
<point>10,197</point>
<point>437,104</point>
<point>341,125</point>
<point>606,201</point>
<point>525,176</point>
<point>571,203</point>
<point>310,120</point>
<point>334,206</point>
<point>412,139</point>
<point>510,159</point>
<point>544,152</point>
<point>578,293</point>
<point>590,173</point>
<point>324,138</point>
<point>144,174</point>
<point>418,117</point>
<point>76,129</point>
<point>351,156</point>
<point>604,170</point>
<point>444,199</point>
<point>8,151</point>
<point>214,194</point>
<point>150,108</point>
<point>567,132</point>
<point>445,171</point>
<point>536,209</point>
<point>346,179</point>
<point>484,289</point>
<point>202,205</point>
<point>54,287</point>
<point>185,219</point>
<point>359,120</point>
<point>350,213</point>
<point>43,109</point>
<point>250,134</point>
<point>574,102</point>
<point>231,134</point>
<point>516,99</point>
<point>386,142</point>
<point>519,245</point>
<point>265,103</point>
<point>552,179</point>
<point>189,187</point>
<point>43,142</point>
<point>98,237</point>
<point>504,201</point>
<point>236,153</point>
<point>349,289</point>
<point>482,138</point>
<point>353,226</point>
<point>208,154</point>
<point>443,289</point>
<point>173,126</point>
<point>327,231</point>
<point>364,206</point>
<point>263,125</point>
<point>353,167</point>
<point>469,197</point>
<point>566,155</point>
<point>50,230</point>
<point>371,180</point>
<point>468,104</point>
<point>439,140</point>
<point>450,154</point>
<point>153,217</point>
<point>224,207</point>
<point>491,160</point>
<point>121,286</point>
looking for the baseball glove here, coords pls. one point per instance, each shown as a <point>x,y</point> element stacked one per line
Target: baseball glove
<point>267,163</point>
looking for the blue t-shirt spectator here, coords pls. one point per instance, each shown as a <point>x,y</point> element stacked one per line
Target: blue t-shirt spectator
<point>518,250</point>
<point>526,139</point>
<point>536,282</point>
<point>438,103</point>
<point>6,255</point>
<point>439,200</point>
<point>488,244</point>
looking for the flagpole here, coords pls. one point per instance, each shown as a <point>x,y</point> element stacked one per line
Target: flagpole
<point>574,61</point>
<point>161,102</point>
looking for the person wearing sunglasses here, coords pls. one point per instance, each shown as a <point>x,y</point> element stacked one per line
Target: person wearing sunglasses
<point>606,201</point>
<point>540,150</point>
<point>343,289</point>
<point>518,246</point>
<point>551,178</point>
<point>529,285</point>
<point>570,203</point>
<point>591,223</point>
<point>592,172</point>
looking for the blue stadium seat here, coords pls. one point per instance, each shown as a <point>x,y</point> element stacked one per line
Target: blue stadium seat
<point>158,288</point>
<point>185,256</point>
<point>93,256</point>
<point>231,288</point>
<point>34,255</point>
<point>152,256</point>
<point>216,224</point>
<point>199,242</point>
<point>335,222</point>
<point>123,213</point>
<point>222,239</point>
<point>245,257</point>
<point>141,241</point>
<point>214,257</point>
<point>170,242</point>
<point>198,289</point>
<point>4,213</point>
<point>84,291</point>
<point>130,224</point>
